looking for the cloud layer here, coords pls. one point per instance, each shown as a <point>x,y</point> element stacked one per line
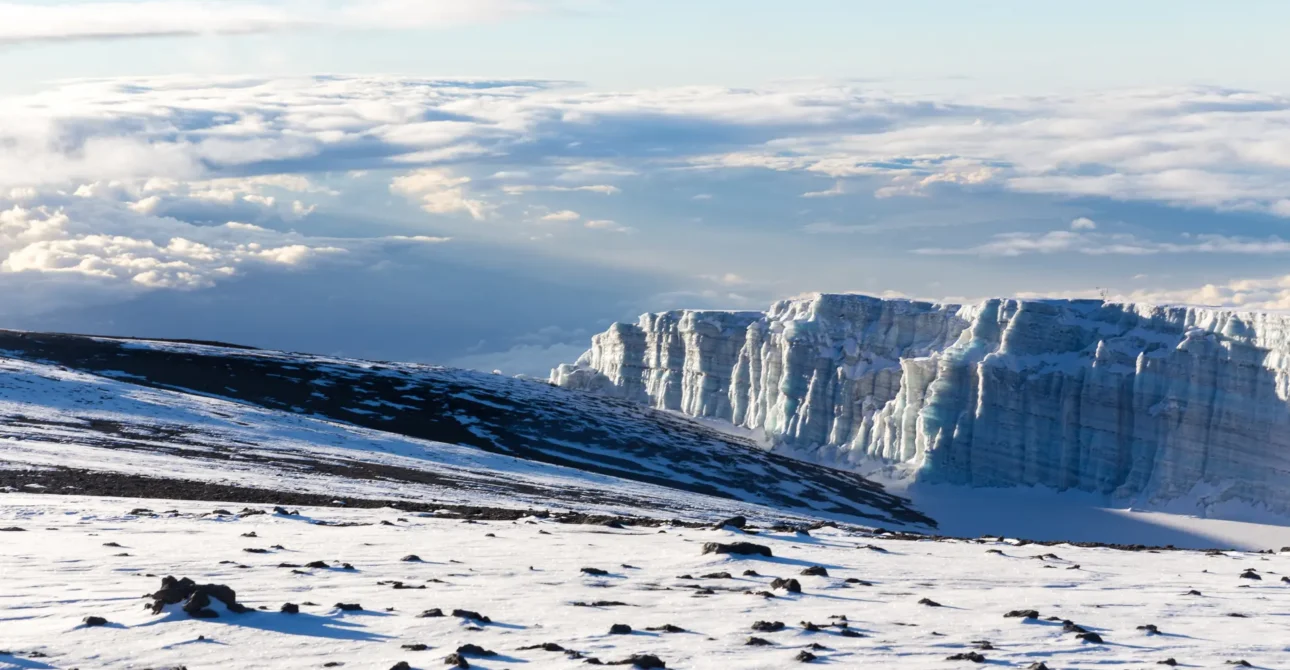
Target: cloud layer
<point>40,21</point>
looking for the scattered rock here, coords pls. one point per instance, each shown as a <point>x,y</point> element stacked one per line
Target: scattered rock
<point>1167,661</point>
<point>545,646</point>
<point>967,656</point>
<point>1243,663</point>
<point>930,603</point>
<point>595,572</point>
<point>753,573</point>
<point>1039,665</point>
<point>758,642</point>
<point>815,571</point>
<point>805,656</point>
<point>474,650</point>
<point>620,629</point>
<point>474,616</point>
<point>91,621</point>
<point>349,607</point>
<point>737,548</point>
<point>1022,614</point>
<point>790,585</point>
<point>645,661</point>
<point>411,558</point>
<point>1093,638</point>
<point>1150,629</point>
<point>768,626</point>
<point>733,522</point>
<point>255,550</point>
<point>666,628</point>
<point>416,647</point>
<point>717,575</point>
<point>196,598</point>
<point>429,614</point>
<point>457,661</point>
<point>600,603</point>
<point>290,608</point>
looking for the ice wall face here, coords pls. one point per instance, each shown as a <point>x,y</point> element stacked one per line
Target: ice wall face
<point>1141,402</point>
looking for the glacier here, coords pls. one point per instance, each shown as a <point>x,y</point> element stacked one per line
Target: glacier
<point>1147,404</point>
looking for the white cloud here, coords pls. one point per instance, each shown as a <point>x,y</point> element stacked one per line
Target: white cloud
<point>122,246</point>
<point>609,225</point>
<point>440,192</point>
<point>520,189</point>
<point>562,215</point>
<point>1197,146</point>
<point>145,18</point>
<point>834,191</point>
<point>1083,223</point>
<point>1102,244</point>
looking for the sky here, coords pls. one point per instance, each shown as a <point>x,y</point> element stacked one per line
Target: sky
<point>487,184</point>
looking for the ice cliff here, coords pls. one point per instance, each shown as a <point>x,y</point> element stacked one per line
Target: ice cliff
<point>1141,402</point>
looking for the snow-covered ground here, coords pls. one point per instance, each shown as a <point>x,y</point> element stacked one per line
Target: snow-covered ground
<point>526,576</point>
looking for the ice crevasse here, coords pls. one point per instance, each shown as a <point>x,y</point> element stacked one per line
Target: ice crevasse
<point>1131,400</point>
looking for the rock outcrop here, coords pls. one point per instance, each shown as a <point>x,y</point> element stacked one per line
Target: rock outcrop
<point>1137,401</point>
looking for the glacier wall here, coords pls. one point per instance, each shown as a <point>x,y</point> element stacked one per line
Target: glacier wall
<point>1139,402</point>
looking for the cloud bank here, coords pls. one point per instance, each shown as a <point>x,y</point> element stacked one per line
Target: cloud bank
<point>40,21</point>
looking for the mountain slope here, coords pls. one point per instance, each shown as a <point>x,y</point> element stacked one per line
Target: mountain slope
<point>202,410</point>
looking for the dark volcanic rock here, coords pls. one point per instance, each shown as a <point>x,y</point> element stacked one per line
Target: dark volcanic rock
<point>644,661</point>
<point>666,628</point>
<point>737,548</point>
<point>195,597</point>
<point>474,650</point>
<point>474,616</point>
<point>967,656</point>
<point>768,626</point>
<point>929,602</point>
<point>815,571</point>
<point>290,608</point>
<point>457,661</point>
<point>758,642</point>
<point>1167,661</point>
<point>790,585</point>
<point>1150,628</point>
<point>431,613</point>
<point>595,572</point>
<point>620,629</point>
<point>411,558</point>
<point>717,575</point>
<point>1090,637</point>
<point>349,607</point>
<point>94,621</point>
<point>1022,614</point>
<point>805,656</point>
<point>733,522</point>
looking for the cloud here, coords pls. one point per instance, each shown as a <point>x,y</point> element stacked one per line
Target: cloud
<point>1101,244</point>
<point>609,225</point>
<point>32,22</point>
<point>1083,223</point>
<point>1195,147</point>
<point>520,189</point>
<point>834,191</point>
<point>121,247</point>
<point>439,191</point>
<point>562,215</point>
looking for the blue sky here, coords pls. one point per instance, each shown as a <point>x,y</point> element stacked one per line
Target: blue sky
<point>487,184</point>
